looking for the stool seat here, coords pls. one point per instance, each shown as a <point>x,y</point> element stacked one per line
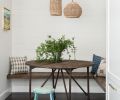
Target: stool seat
<point>43,90</point>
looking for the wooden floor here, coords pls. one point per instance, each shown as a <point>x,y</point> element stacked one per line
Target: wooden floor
<point>59,96</point>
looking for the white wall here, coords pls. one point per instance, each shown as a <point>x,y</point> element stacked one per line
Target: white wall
<point>5,52</point>
<point>32,24</point>
<point>114,49</point>
<point>114,35</point>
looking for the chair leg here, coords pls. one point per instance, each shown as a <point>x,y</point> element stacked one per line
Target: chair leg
<point>36,96</point>
<point>51,96</point>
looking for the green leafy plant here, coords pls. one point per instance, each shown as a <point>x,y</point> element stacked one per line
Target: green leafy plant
<point>52,49</point>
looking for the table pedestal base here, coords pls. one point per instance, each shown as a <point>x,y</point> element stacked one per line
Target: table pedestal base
<point>55,80</point>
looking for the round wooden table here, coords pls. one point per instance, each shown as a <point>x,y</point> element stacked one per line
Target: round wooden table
<point>68,66</point>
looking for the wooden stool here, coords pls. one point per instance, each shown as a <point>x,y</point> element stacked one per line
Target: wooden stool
<point>43,90</point>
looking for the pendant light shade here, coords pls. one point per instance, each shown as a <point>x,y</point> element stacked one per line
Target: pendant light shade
<point>72,10</point>
<point>56,7</point>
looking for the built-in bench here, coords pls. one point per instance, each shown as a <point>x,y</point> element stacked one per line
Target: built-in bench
<point>40,75</point>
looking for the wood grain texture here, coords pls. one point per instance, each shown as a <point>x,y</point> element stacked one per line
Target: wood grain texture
<point>61,65</point>
<point>40,75</point>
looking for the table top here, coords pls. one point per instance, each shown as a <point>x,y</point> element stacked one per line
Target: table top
<point>66,64</point>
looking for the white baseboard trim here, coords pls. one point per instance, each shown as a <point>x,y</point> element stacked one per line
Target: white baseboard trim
<point>5,94</point>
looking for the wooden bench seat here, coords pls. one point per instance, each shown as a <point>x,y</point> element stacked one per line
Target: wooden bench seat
<point>40,75</point>
<point>102,82</point>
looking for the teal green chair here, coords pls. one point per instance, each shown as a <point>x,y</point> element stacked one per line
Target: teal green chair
<point>43,90</point>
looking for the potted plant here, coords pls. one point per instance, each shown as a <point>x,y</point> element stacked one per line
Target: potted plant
<point>52,49</point>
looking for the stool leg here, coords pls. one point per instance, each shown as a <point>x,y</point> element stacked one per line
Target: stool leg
<point>51,96</point>
<point>36,96</point>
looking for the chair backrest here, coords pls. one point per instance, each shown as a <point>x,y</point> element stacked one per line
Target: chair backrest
<point>96,63</point>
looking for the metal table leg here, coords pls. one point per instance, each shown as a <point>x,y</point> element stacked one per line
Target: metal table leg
<point>53,84</point>
<point>30,96</point>
<point>53,77</point>
<point>46,80</point>
<point>64,84</point>
<point>76,82</point>
<point>70,72</point>
<point>88,91</point>
<point>57,78</point>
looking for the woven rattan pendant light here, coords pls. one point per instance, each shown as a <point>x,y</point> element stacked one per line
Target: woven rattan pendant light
<point>72,10</point>
<point>56,7</point>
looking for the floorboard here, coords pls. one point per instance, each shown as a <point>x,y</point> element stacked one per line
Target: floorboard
<point>59,96</point>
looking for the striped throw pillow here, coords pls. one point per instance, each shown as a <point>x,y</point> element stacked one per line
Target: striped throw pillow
<point>18,65</point>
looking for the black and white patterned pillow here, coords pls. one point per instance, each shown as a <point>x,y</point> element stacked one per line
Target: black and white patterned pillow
<point>18,65</point>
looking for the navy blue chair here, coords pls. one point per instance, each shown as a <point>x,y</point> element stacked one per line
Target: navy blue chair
<point>96,63</point>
